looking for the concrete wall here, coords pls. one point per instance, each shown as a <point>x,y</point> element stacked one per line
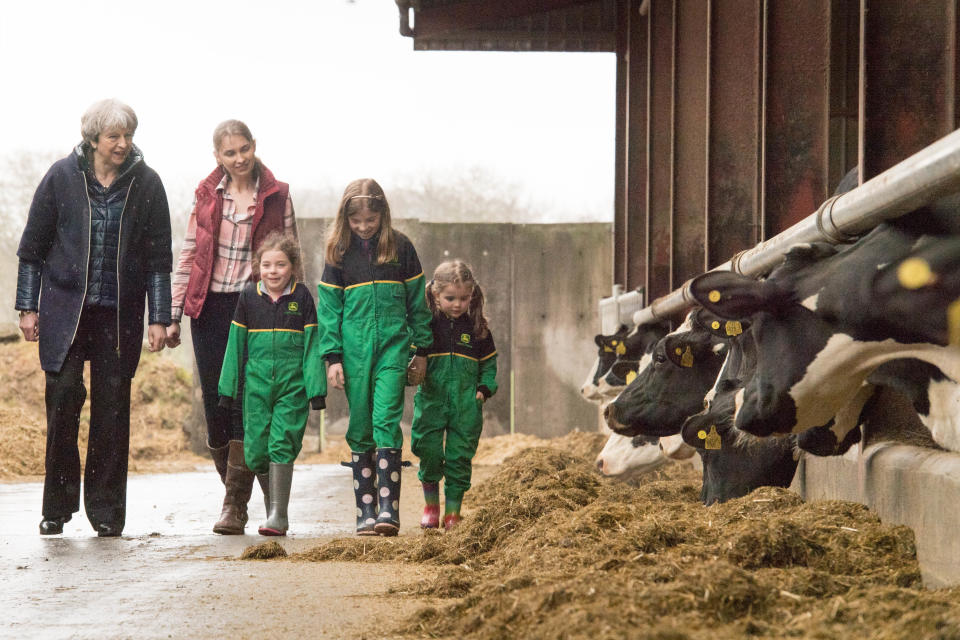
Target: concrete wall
<point>914,486</point>
<point>541,284</point>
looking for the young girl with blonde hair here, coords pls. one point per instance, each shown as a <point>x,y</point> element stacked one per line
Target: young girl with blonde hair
<point>372,312</point>
<point>461,376</point>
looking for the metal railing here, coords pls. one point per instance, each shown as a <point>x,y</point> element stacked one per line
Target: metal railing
<point>922,178</point>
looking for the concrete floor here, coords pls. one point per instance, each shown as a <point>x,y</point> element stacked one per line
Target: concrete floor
<point>169,576</point>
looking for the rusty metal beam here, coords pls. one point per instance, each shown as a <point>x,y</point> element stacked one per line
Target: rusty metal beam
<point>692,24</point>
<point>661,164</point>
<point>620,244</point>
<point>432,21</point>
<point>909,71</point>
<point>636,148</point>
<point>733,161</point>
<point>796,126</point>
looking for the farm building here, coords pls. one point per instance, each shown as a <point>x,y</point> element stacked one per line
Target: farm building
<point>736,121</point>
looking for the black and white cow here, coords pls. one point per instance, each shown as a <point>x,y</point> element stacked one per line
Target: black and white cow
<point>921,292</point>
<point>624,458</point>
<point>619,356</point>
<point>819,338</point>
<point>683,366</point>
<point>607,348</point>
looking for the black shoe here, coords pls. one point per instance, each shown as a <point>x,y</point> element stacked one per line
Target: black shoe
<point>108,530</point>
<point>53,526</point>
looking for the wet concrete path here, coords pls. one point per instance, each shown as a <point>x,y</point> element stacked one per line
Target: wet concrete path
<point>169,576</point>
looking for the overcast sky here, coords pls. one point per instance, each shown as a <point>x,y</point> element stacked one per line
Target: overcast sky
<point>330,89</point>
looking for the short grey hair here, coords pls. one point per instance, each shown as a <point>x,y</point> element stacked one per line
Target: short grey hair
<point>104,115</point>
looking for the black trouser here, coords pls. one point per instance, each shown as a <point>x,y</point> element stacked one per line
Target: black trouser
<point>108,445</point>
<point>209,333</point>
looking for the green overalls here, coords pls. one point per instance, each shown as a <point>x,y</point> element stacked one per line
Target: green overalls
<point>370,315</point>
<point>274,345</point>
<point>458,366</point>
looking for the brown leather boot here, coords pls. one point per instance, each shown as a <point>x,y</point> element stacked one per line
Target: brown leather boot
<point>219,455</point>
<point>239,485</point>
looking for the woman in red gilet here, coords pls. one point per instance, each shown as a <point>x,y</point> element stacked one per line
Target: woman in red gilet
<point>235,208</point>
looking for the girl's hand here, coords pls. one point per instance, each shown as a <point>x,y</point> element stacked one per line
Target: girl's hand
<point>480,397</point>
<point>173,335</point>
<point>335,375</point>
<point>417,370</point>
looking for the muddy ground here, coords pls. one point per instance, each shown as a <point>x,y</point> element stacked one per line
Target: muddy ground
<point>547,549</point>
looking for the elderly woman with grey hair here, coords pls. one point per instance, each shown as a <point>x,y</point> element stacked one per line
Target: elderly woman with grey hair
<point>95,246</point>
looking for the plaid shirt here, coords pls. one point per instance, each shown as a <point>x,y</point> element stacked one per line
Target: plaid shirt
<point>233,263</point>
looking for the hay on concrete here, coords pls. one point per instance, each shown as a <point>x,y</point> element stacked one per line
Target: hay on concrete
<point>552,550</point>
<point>264,551</point>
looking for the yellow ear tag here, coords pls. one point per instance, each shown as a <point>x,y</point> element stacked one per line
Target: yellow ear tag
<point>678,351</point>
<point>733,328</point>
<point>715,325</point>
<point>712,439</point>
<point>607,349</point>
<point>631,375</point>
<point>953,323</point>
<point>686,360</point>
<point>914,273</point>
<point>714,296</point>
<point>621,349</point>
<point>702,434</point>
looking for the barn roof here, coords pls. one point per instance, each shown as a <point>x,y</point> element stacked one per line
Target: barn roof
<point>513,25</point>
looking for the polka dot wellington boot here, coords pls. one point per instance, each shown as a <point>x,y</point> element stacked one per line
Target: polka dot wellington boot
<point>431,505</point>
<point>364,491</point>
<point>388,481</point>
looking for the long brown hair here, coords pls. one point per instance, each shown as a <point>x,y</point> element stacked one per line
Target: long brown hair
<point>360,195</point>
<point>454,272</point>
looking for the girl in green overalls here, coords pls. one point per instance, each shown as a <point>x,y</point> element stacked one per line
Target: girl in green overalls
<point>372,312</point>
<point>461,375</point>
<point>273,345</point>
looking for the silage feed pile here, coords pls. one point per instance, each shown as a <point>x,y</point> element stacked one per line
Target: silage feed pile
<point>159,404</point>
<point>552,550</point>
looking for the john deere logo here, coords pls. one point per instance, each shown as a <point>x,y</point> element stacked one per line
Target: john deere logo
<point>293,306</point>
<point>465,338</point>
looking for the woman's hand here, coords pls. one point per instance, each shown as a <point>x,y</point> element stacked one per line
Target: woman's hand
<point>157,335</point>
<point>173,335</point>
<point>417,370</point>
<point>30,326</point>
<point>335,375</point>
<point>480,397</point>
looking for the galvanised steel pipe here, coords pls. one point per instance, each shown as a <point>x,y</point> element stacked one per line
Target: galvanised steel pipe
<point>922,178</point>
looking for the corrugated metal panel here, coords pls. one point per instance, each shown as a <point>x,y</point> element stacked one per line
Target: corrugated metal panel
<point>660,83</point>
<point>797,111</point>
<point>620,256</point>
<point>733,179</point>
<point>909,85</point>
<point>690,139</point>
<point>636,138</point>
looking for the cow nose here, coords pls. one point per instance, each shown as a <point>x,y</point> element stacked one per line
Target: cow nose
<point>610,414</point>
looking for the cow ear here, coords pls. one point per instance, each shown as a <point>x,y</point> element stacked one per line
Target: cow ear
<point>598,339</point>
<point>729,295</point>
<point>719,327</point>
<point>680,351</point>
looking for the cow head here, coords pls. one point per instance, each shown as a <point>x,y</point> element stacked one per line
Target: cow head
<point>626,458</point>
<point>607,351</point>
<point>682,367</point>
<point>928,279</point>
